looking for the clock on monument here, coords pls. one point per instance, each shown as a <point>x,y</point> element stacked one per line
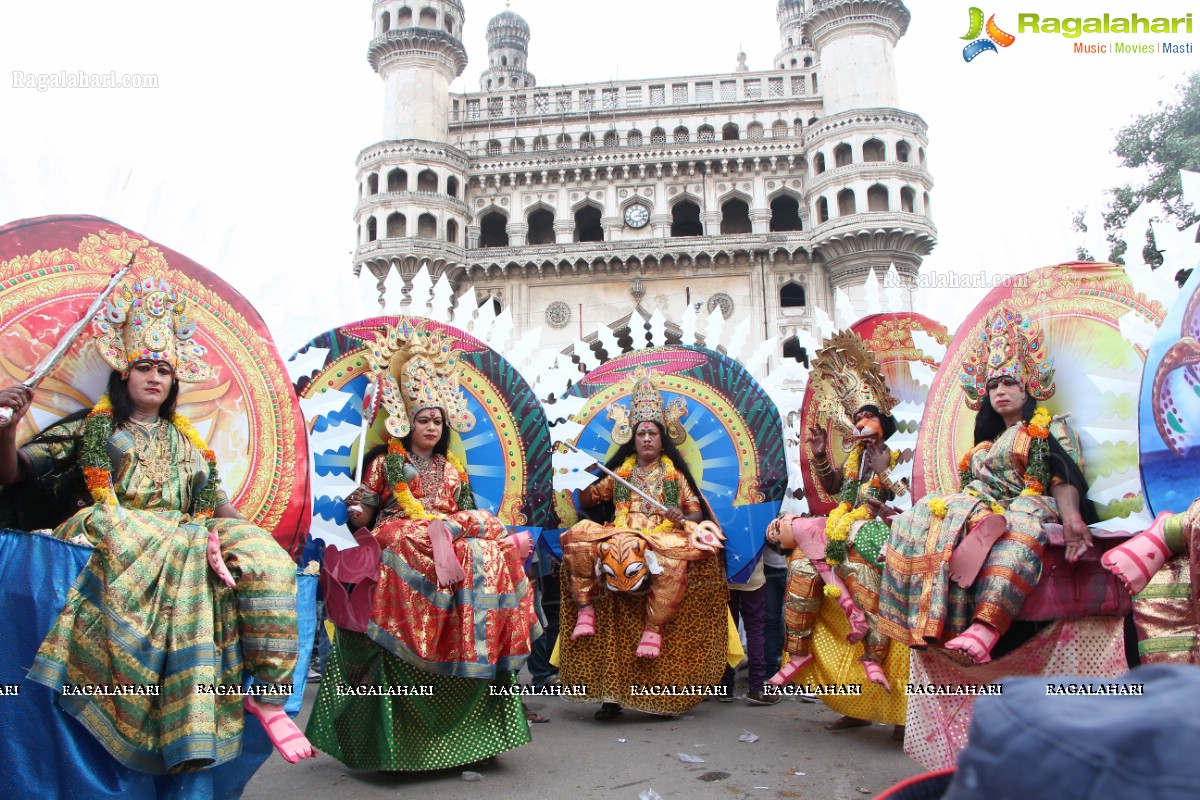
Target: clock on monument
<point>637,215</point>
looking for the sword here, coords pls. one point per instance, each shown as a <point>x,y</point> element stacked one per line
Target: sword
<point>54,356</point>
<point>661,508</point>
<point>703,535</point>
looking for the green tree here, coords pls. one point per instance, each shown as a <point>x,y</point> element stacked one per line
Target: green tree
<point>1160,144</point>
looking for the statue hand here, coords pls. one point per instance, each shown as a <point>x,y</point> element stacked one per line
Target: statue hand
<point>704,535</point>
<point>216,562</point>
<point>814,437</point>
<point>1077,537</point>
<point>878,457</point>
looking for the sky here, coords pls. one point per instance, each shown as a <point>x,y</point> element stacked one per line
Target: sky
<point>243,156</point>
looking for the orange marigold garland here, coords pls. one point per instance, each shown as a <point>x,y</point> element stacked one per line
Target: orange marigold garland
<point>1037,470</point>
<point>400,473</point>
<point>622,499</point>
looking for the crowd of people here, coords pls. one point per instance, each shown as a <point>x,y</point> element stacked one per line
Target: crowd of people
<point>438,604</point>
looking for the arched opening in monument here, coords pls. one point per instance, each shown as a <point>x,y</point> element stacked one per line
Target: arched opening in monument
<point>791,295</point>
<point>427,227</point>
<point>685,219</point>
<point>397,226</point>
<point>846,203</point>
<point>735,216</point>
<point>793,350</point>
<point>785,214</point>
<point>397,181</point>
<point>541,227</point>
<point>587,225</point>
<point>493,230</point>
<point>877,198</point>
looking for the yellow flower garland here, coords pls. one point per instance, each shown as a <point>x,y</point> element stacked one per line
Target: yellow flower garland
<point>1039,430</point>
<point>410,505</point>
<point>99,478</point>
<point>621,518</point>
<point>842,518</point>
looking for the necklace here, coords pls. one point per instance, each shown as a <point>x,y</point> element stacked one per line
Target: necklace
<point>153,445</point>
<point>649,479</point>
<point>431,468</point>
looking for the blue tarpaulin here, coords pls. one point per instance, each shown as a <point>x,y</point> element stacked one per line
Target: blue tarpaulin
<point>44,752</point>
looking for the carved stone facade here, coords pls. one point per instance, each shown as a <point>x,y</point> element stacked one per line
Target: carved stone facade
<point>758,193</point>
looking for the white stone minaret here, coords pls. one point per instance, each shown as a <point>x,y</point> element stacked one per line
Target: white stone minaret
<point>868,180</point>
<point>796,51</point>
<point>411,210</point>
<point>857,44</point>
<point>508,54</point>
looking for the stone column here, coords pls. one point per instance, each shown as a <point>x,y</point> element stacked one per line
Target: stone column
<point>564,231</point>
<point>517,231</point>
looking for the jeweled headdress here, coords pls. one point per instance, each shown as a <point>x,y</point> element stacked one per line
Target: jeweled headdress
<point>647,405</point>
<point>846,377</point>
<point>417,369</point>
<point>1013,346</point>
<point>148,321</point>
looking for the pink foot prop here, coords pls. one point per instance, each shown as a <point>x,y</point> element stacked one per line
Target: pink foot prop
<point>976,642</point>
<point>524,543</point>
<point>789,670</point>
<point>445,561</point>
<point>1136,561</point>
<point>585,623</point>
<point>650,645</point>
<point>971,552</point>
<point>855,616</point>
<point>216,562</point>
<point>875,675</point>
<point>283,733</point>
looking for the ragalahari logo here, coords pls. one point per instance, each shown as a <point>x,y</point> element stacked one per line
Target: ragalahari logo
<point>995,36</point>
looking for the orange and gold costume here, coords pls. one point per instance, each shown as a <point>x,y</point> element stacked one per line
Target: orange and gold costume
<point>671,548</point>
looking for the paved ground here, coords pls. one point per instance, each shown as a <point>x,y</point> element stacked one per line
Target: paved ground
<point>575,757</point>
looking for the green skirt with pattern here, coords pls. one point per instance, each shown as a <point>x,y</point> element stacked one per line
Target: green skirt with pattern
<point>375,712</point>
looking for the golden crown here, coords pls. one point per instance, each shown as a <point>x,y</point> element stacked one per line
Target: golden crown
<point>1010,345</point>
<point>148,321</point>
<point>417,369</point>
<point>847,377</point>
<point>647,405</point>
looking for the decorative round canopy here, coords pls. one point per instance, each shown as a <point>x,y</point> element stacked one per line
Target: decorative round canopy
<point>51,268</point>
<point>506,453</point>
<point>734,448</point>
<point>890,337</point>
<point>1081,307</point>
